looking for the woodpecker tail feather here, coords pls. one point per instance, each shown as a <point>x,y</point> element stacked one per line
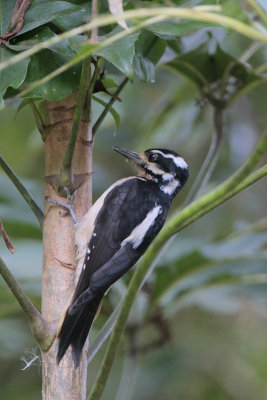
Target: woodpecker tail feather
<point>75,329</point>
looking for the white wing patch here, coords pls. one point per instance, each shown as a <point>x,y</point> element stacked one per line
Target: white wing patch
<point>170,187</point>
<point>137,235</point>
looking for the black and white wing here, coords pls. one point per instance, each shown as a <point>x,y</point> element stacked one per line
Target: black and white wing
<point>123,229</point>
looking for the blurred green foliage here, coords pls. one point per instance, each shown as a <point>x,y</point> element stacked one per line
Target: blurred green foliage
<point>198,330</point>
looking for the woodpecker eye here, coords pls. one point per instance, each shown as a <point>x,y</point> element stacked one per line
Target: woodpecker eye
<point>152,157</point>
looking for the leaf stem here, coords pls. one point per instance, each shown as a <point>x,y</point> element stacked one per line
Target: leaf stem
<point>23,191</point>
<point>237,182</point>
<point>259,11</point>
<point>109,106</point>
<point>211,159</point>
<point>41,329</point>
<point>87,108</point>
<point>66,174</point>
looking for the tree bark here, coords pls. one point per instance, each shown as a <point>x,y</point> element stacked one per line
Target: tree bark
<point>63,382</point>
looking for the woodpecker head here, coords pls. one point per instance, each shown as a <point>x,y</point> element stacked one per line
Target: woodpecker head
<point>163,166</point>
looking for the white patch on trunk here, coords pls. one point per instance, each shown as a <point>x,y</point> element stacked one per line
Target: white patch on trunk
<point>137,235</point>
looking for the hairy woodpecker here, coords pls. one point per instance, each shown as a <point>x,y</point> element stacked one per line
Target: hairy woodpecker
<point>114,234</point>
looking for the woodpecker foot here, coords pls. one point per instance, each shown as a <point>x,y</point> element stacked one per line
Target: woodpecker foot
<point>68,208</point>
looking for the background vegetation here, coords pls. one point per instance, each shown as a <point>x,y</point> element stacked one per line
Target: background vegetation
<point>198,328</point>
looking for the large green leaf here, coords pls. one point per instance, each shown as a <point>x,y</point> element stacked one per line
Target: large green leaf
<point>174,27</point>
<point>144,69</point>
<point>204,68</point>
<point>226,261</point>
<point>13,76</point>
<point>6,11</point>
<point>119,53</point>
<point>150,46</point>
<point>47,61</point>
<point>69,21</point>
<point>41,13</point>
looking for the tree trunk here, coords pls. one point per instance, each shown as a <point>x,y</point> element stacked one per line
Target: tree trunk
<point>63,382</point>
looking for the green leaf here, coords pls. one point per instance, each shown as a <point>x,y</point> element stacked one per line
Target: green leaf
<point>119,53</point>
<point>144,69</point>
<point>113,112</point>
<point>6,11</point>
<point>204,68</point>
<point>40,14</point>
<point>150,46</point>
<point>109,83</point>
<point>47,61</point>
<point>13,76</point>
<point>170,28</point>
<point>69,21</point>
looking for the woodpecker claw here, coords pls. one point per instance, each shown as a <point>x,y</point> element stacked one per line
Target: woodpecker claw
<point>68,207</point>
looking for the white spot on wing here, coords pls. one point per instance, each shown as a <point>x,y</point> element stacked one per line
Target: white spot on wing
<point>88,251</point>
<point>137,235</point>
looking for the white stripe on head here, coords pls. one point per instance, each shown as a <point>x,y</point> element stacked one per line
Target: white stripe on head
<point>178,161</point>
<point>139,232</point>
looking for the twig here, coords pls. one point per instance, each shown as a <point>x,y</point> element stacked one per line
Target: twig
<point>17,19</point>
<point>23,191</point>
<point>258,10</point>
<point>66,177</point>
<point>229,188</point>
<point>41,329</point>
<point>83,103</point>
<point>8,243</point>
<point>109,106</point>
<point>212,157</point>
<point>38,120</point>
<point>87,105</point>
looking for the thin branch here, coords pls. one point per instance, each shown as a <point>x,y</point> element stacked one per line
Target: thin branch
<point>17,19</point>
<point>258,10</point>
<point>8,243</point>
<point>23,191</point>
<point>66,175</point>
<point>109,106</point>
<point>237,182</point>
<point>116,95</point>
<point>212,157</point>
<point>87,107</point>
<point>38,120</point>
<point>41,329</point>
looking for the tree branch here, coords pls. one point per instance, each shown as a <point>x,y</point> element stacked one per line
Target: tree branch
<point>212,157</point>
<point>87,108</point>
<point>43,331</point>
<point>23,191</point>
<point>38,120</point>
<point>66,173</point>
<point>8,243</point>
<point>229,188</point>
<point>109,106</point>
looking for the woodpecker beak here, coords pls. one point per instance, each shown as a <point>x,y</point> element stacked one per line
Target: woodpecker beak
<point>131,155</point>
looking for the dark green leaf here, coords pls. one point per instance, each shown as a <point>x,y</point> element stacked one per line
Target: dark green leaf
<point>150,46</point>
<point>70,21</point>
<point>144,69</point>
<point>204,68</point>
<point>13,76</point>
<point>40,14</point>
<point>6,11</point>
<point>113,112</point>
<point>46,62</point>
<point>119,53</point>
<point>170,28</point>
